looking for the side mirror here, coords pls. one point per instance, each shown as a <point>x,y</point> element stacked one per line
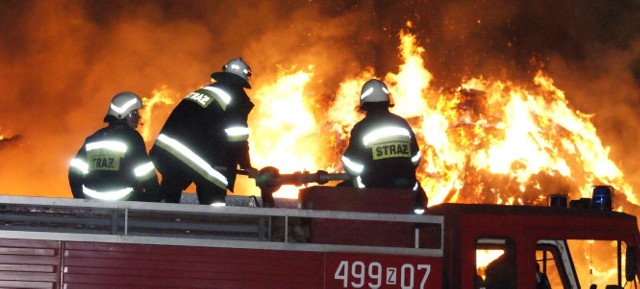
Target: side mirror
<point>631,264</point>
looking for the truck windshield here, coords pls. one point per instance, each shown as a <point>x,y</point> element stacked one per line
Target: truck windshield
<point>559,264</point>
<point>581,263</point>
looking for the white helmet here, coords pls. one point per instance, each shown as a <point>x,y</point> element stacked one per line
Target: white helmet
<point>123,104</point>
<point>374,91</point>
<point>234,68</point>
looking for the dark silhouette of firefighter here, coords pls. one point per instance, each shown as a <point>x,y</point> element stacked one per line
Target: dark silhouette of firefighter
<point>383,151</point>
<point>501,272</point>
<point>205,138</point>
<point>113,164</point>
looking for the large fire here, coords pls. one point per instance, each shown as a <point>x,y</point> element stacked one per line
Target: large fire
<point>486,142</point>
<point>491,139</point>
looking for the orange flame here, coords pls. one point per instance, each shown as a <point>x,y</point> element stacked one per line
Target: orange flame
<point>286,132</point>
<point>159,97</point>
<point>488,141</point>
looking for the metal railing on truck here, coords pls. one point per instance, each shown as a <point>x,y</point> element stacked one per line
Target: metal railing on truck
<point>64,219</point>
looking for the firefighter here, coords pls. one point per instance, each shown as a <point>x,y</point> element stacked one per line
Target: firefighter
<point>205,138</point>
<point>383,151</point>
<point>113,164</point>
<point>501,272</point>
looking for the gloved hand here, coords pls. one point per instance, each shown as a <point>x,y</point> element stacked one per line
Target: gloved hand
<point>252,172</point>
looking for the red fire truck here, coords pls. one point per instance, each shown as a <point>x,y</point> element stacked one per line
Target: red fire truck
<point>331,237</point>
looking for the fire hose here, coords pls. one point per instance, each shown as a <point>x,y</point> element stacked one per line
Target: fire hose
<point>269,180</point>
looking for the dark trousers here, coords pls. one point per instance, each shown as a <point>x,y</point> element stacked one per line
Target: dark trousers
<point>177,176</point>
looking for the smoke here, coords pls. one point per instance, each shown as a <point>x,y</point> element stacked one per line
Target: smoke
<point>62,61</point>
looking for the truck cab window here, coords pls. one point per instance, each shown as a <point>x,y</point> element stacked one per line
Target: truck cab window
<point>496,263</point>
<point>595,263</point>
<point>547,273</point>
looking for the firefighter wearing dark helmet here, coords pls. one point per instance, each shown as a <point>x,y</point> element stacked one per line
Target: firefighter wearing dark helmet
<point>113,164</point>
<point>383,151</point>
<point>205,138</point>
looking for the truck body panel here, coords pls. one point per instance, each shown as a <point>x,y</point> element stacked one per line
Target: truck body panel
<point>331,238</point>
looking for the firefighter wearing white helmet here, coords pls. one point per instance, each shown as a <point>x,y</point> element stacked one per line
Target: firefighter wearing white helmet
<point>205,138</point>
<point>383,151</point>
<point>374,91</point>
<point>112,164</point>
<point>125,105</point>
<point>235,67</point>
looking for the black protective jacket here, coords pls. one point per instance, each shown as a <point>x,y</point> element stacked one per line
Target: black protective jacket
<point>201,123</point>
<point>113,164</point>
<point>383,151</point>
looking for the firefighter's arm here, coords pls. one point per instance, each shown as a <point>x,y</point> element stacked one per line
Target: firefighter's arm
<point>252,172</point>
<point>75,183</point>
<point>241,152</point>
<point>147,180</point>
<point>150,190</point>
<point>145,173</point>
<point>353,158</point>
<point>237,132</point>
<point>78,168</point>
<point>416,156</point>
<point>236,129</point>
